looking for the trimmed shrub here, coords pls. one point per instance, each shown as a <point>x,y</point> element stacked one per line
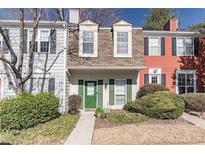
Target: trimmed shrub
<point>99,112</point>
<point>27,110</point>
<point>160,105</point>
<point>118,117</point>
<point>150,89</point>
<point>194,102</point>
<point>74,102</point>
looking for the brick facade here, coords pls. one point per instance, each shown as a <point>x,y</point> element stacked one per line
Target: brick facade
<point>169,64</point>
<point>105,56</point>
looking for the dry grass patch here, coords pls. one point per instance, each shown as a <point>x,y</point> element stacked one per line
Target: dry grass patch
<point>53,132</point>
<point>150,132</point>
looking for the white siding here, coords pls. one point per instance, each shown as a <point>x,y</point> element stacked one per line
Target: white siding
<point>41,62</point>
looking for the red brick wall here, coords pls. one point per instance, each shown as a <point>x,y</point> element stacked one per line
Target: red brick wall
<point>169,64</point>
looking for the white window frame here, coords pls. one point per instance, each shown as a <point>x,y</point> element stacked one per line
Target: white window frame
<point>122,42</point>
<point>185,72</point>
<point>38,39</point>
<point>95,47</point>
<point>125,92</point>
<point>1,86</point>
<point>155,72</point>
<point>87,42</point>
<point>127,29</point>
<point>150,52</point>
<point>193,53</point>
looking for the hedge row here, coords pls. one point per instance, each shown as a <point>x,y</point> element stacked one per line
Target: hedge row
<point>27,110</point>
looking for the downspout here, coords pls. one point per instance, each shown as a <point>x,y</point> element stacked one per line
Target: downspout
<point>65,63</point>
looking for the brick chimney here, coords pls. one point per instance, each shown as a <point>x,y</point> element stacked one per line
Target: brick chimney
<point>171,25</point>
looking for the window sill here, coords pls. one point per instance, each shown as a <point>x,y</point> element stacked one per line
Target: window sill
<point>87,55</point>
<point>123,56</point>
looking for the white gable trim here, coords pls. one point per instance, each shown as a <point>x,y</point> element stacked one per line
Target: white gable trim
<point>122,23</point>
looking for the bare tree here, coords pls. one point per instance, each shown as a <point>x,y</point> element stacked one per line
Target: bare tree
<point>13,66</point>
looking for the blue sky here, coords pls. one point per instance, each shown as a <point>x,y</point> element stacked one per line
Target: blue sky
<point>137,16</point>
<point>186,16</point>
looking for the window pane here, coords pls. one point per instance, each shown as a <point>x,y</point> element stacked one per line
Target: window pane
<point>154,44</point>
<point>189,46</point>
<point>181,90</point>
<point>181,51</point>
<point>122,36</point>
<point>44,35</point>
<point>180,42</point>
<point>190,79</point>
<point>181,79</point>
<point>44,46</point>
<point>190,89</point>
<point>122,42</point>
<point>122,48</point>
<point>88,48</point>
<point>88,37</point>
<point>120,99</point>
<point>120,92</point>
<point>154,79</point>
<point>88,42</point>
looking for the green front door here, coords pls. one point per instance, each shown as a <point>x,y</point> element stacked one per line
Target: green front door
<point>90,94</point>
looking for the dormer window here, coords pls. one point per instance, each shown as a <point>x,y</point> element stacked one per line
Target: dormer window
<point>88,42</point>
<point>122,39</point>
<point>88,39</point>
<point>122,43</point>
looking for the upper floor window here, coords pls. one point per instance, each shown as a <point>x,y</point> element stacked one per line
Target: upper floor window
<point>154,46</point>
<point>88,42</point>
<point>45,40</point>
<point>122,42</point>
<point>185,46</point>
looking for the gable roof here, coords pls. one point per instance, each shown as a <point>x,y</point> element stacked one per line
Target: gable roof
<point>88,22</point>
<point>122,23</point>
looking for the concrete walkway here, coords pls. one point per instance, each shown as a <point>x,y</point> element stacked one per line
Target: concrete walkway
<point>83,132</point>
<point>194,120</point>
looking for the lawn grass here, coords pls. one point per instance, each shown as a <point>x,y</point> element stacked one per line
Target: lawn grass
<point>124,117</point>
<point>52,132</point>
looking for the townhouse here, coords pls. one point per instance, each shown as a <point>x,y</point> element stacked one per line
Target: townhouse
<point>174,59</point>
<point>106,66</point>
<point>49,62</point>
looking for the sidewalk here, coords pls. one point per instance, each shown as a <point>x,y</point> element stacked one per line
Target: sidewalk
<point>82,133</point>
<point>194,120</point>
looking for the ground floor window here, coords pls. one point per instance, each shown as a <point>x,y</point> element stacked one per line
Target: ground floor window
<point>155,75</point>
<point>120,92</point>
<point>40,84</point>
<point>186,82</point>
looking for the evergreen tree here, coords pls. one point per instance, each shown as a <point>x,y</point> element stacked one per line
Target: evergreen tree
<point>157,18</point>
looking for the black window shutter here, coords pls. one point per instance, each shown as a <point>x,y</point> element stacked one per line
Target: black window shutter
<point>51,85</point>
<point>174,46</point>
<point>196,46</point>
<point>162,46</point>
<point>163,79</point>
<point>25,40</point>
<point>52,41</point>
<point>146,79</point>
<point>5,47</point>
<point>146,46</point>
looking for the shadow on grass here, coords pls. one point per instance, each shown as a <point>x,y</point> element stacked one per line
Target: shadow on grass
<point>5,143</point>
